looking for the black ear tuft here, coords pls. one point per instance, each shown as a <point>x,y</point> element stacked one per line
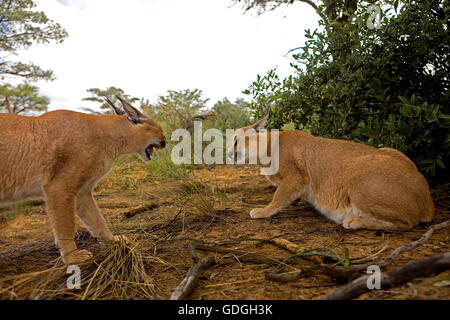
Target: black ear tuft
<point>116,109</point>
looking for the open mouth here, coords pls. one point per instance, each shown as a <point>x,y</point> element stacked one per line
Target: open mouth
<point>149,150</point>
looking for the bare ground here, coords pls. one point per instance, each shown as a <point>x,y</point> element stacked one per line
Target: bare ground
<point>212,209</point>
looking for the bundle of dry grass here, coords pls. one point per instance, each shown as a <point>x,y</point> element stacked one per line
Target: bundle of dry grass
<point>193,196</point>
<point>118,271</point>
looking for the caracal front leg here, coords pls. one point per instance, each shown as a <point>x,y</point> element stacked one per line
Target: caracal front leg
<point>286,193</point>
<point>93,219</point>
<point>60,205</point>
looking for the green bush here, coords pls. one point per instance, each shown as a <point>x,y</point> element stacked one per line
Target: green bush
<point>385,87</point>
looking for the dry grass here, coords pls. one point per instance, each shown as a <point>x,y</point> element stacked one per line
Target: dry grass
<point>209,206</point>
<point>118,271</point>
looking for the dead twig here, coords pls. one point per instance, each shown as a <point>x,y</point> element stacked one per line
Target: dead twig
<point>341,274</point>
<point>346,274</point>
<point>414,244</point>
<point>399,250</point>
<point>418,268</point>
<point>145,207</point>
<point>283,277</point>
<point>243,256</point>
<point>190,280</point>
<point>293,248</point>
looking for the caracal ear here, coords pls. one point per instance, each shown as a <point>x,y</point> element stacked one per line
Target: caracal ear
<point>116,109</point>
<point>258,126</point>
<point>133,114</point>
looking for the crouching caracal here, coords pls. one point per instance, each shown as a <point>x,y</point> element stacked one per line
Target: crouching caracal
<point>352,184</point>
<point>61,155</point>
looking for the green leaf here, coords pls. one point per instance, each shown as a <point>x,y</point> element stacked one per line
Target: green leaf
<point>405,110</point>
<point>404,100</point>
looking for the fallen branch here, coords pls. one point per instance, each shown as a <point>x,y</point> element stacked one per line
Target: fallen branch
<point>411,270</point>
<point>414,244</point>
<point>345,274</point>
<point>145,207</point>
<point>341,274</point>
<point>399,250</point>
<point>190,280</point>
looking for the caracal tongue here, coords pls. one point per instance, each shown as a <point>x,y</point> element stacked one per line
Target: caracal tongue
<point>150,150</point>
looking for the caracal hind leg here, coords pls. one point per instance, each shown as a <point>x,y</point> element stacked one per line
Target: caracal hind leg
<point>92,218</point>
<point>286,193</point>
<point>357,222</point>
<point>61,212</point>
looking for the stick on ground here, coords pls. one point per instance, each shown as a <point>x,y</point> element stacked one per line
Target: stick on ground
<point>146,207</point>
<point>190,280</point>
<point>351,272</point>
<point>418,268</point>
<point>414,244</point>
<point>241,255</point>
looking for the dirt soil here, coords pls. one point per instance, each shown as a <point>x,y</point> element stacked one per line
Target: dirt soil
<point>217,214</point>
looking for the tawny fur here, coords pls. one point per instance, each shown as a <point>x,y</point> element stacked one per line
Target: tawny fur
<point>352,184</point>
<point>60,156</point>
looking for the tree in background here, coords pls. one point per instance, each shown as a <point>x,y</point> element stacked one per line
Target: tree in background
<point>179,109</point>
<point>329,11</point>
<point>22,99</point>
<point>20,28</point>
<point>231,115</point>
<point>98,95</point>
<point>383,87</point>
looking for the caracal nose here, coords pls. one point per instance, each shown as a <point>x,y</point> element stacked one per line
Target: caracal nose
<point>163,144</point>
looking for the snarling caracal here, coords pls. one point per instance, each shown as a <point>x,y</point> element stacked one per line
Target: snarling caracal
<point>61,155</point>
<point>352,184</point>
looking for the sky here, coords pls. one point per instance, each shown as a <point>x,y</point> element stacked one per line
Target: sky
<point>147,47</point>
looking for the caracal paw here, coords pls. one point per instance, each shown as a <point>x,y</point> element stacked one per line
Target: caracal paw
<point>351,222</point>
<point>121,237</point>
<point>77,256</point>
<point>259,213</point>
